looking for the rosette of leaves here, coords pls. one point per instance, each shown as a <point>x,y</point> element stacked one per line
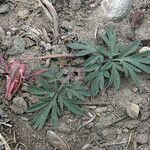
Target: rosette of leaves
<point>55,93</point>
<point>105,65</point>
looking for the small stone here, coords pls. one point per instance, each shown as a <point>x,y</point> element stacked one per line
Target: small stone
<point>118,131</point>
<point>135,89</point>
<point>46,46</point>
<point>56,141</point>
<point>28,42</point>
<point>133,110</point>
<point>116,10</point>
<point>132,124</point>
<point>86,147</point>
<point>125,130</point>
<point>19,105</point>
<point>4,8</point>
<point>144,49</point>
<point>75,4</point>
<point>100,110</point>
<point>2,113</point>
<point>66,25</point>
<point>142,32</point>
<point>142,138</point>
<point>25,95</point>
<point>63,128</point>
<point>23,13</point>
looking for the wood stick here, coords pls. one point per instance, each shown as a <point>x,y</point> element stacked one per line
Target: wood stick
<point>53,13</point>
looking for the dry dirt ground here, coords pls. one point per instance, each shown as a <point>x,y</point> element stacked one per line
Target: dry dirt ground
<point>112,128</point>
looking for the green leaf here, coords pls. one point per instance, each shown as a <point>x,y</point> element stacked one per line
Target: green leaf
<point>95,87</point>
<point>143,54</point>
<point>38,90</point>
<point>43,82</point>
<point>106,74</point>
<point>133,76</point>
<point>54,116</point>
<point>111,37</point>
<point>104,51</point>
<point>93,67</point>
<point>73,107</point>
<point>40,119</point>
<point>91,76</point>
<point>101,80</point>
<point>141,66</point>
<point>93,59</point>
<point>107,66</point>
<point>37,106</point>
<point>124,64</point>
<point>132,47</point>
<point>116,77</point>
<point>85,52</point>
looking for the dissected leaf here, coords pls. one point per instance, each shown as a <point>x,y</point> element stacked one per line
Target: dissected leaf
<point>73,107</point>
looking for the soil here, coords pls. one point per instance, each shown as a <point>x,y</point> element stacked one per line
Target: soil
<point>112,128</point>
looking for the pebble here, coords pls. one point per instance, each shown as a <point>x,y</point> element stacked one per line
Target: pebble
<point>132,124</point>
<point>133,110</point>
<point>56,141</point>
<point>4,8</point>
<point>23,13</point>
<point>125,130</point>
<point>46,46</point>
<point>100,110</point>
<point>63,128</point>
<point>66,25</point>
<point>19,105</point>
<point>142,138</point>
<point>75,4</point>
<point>86,147</point>
<point>28,42</point>
<point>142,32</point>
<point>116,10</point>
<point>134,89</point>
<point>2,113</point>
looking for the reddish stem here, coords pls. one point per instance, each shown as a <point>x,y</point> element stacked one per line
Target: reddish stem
<point>51,56</point>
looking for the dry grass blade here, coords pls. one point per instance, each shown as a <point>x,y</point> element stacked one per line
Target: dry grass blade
<point>17,146</point>
<point>4,142</point>
<point>53,13</point>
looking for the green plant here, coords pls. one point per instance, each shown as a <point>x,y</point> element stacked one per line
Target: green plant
<point>106,64</point>
<point>56,92</point>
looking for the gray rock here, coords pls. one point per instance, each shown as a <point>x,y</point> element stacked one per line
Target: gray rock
<point>142,138</point>
<point>63,128</point>
<point>2,113</point>
<point>46,46</point>
<point>4,8</point>
<point>66,25</point>
<point>143,31</point>
<point>75,4</point>
<point>131,124</point>
<point>56,141</point>
<point>133,110</point>
<point>100,110</point>
<point>23,13</point>
<point>116,10</point>
<point>19,105</point>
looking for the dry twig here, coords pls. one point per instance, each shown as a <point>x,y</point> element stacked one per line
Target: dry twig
<point>87,122</point>
<point>50,11</point>
<point>4,142</point>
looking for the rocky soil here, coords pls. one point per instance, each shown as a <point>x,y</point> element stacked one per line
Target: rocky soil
<point>115,119</point>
